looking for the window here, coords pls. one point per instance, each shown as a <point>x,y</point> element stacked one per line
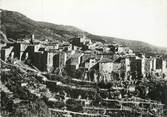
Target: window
<point>159,63</point>
<point>49,59</point>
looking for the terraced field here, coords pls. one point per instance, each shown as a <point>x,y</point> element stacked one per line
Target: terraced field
<point>27,92</point>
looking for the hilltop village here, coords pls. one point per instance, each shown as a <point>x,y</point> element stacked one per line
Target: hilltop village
<point>85,78</point>
<point>97,61</point>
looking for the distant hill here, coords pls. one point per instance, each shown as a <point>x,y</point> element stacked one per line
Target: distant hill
<point>15,25</point>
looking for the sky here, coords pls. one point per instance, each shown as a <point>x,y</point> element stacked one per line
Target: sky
<point>143,20</point>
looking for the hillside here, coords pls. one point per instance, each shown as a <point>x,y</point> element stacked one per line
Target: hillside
<point>16,25</point>
<point>27,93</point>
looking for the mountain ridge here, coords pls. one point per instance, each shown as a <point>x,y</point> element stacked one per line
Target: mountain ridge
<point>16,25</point>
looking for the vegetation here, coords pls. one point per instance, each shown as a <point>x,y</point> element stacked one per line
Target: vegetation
<point>16,26</point>
<point>20,102</point>
<point>71,94</point>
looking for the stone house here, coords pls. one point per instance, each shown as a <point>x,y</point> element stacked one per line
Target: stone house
<point>75,61</point>
<point>6,52</point>
<point>59,59</point>
<point>105,69</point>
<point>89,63</point>
<point>19,49</point>
<point>164,68</point>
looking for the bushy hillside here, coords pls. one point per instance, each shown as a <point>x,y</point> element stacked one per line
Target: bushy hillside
<point>16,25</point>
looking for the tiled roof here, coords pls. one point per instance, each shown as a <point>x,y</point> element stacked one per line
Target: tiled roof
<point>76,55</point>
<point>106,60</point>
<point>41,49</point>
<point>52,50</point>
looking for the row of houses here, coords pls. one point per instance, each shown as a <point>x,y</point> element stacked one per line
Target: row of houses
<point>110,60</point>
<point>46,56</point>
<point>133,67</point>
